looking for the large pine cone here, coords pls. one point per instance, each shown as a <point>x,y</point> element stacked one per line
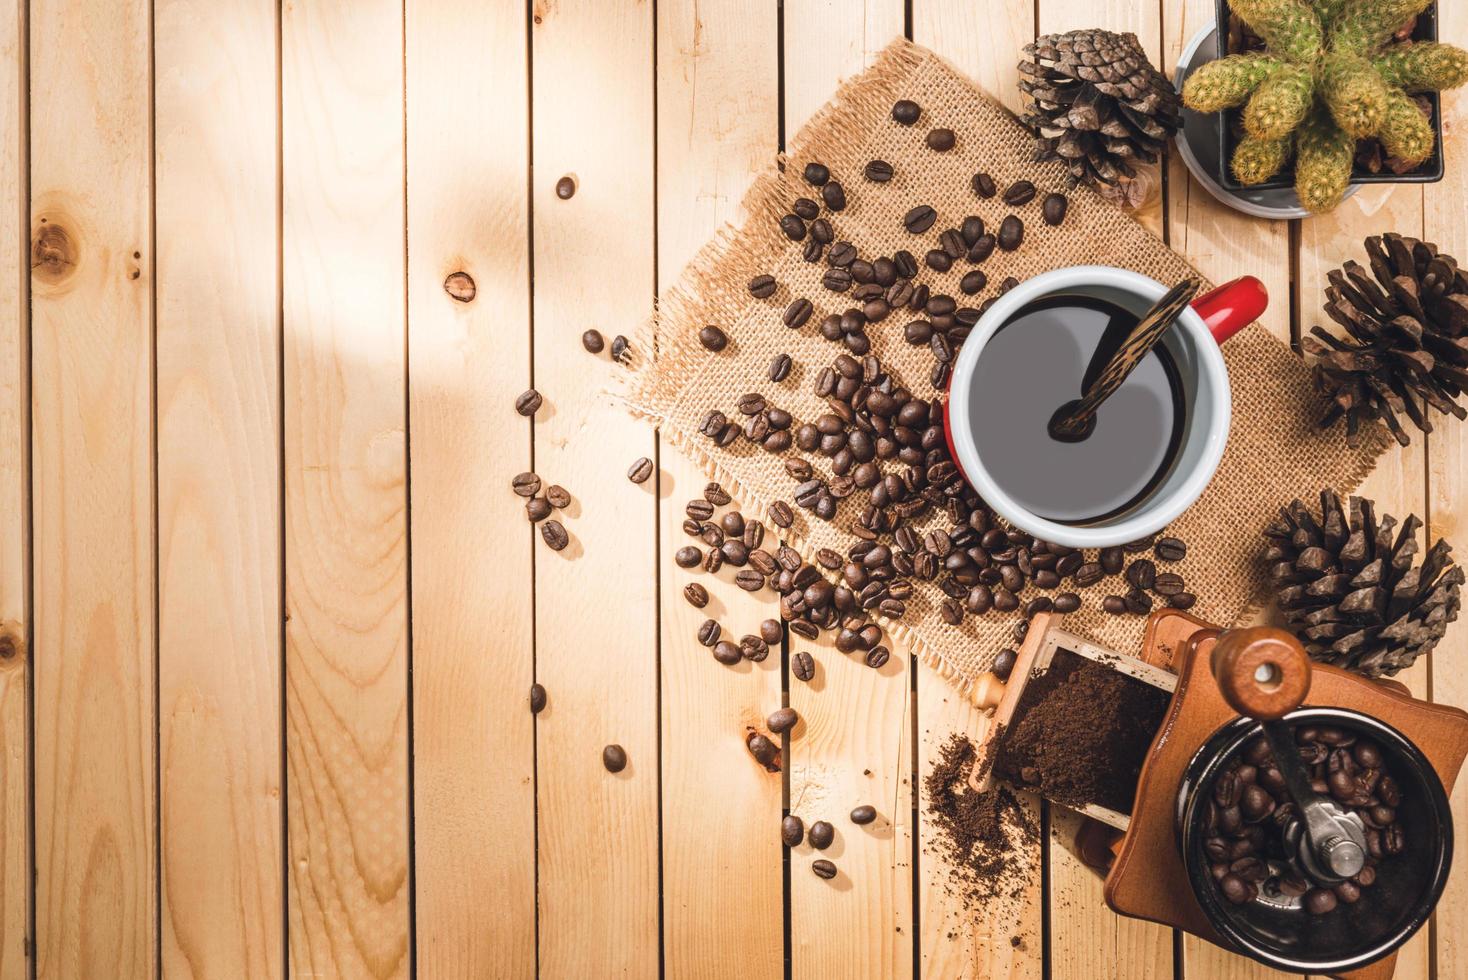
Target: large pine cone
<point>1406,341</point>
<point>1097,104</point>
<point>1351,593</point>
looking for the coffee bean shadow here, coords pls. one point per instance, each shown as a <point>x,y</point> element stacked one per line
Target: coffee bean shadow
<point>573,549</point>
<point>546,411</point>
<point>842,883</point>
<point>665,484</point>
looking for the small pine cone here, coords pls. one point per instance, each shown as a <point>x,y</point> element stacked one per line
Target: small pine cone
<point>1352,593</point>
<point>1406,343</point>
<point>1423,66</point>
<point>1097,104</point>
<point>1228,82</point>
<point>1280,103</point>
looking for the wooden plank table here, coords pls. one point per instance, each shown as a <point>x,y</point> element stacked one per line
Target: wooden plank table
<point>269,615</point>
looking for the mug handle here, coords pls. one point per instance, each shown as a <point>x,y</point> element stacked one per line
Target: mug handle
<point>1231,307</point>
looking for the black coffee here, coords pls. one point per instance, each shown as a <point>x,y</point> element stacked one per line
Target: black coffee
<point>1036,362</point>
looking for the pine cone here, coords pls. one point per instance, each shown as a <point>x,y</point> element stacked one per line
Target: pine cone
<point>1407,343</point>
<point>1351,594</point>
<point>1097,104</point>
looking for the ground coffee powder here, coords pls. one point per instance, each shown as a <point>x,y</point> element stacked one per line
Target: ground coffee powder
<point>982,836</point>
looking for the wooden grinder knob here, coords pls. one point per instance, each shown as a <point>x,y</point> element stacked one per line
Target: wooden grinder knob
<point>1262,672</point>
<point>987,691</point>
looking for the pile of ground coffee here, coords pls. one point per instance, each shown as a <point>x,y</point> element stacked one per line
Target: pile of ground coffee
<point>982,836</point>
<point>1080,733</point>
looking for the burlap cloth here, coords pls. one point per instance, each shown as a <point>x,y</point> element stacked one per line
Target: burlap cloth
<point>1274,453</point>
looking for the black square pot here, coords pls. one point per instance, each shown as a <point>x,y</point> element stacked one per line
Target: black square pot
<point>1430,171</point>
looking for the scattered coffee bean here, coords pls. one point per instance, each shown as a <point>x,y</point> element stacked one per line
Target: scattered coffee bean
<point>1018,193</point>
<point>821,835</point>
<point>687,557</point>
<point>793,227</point>
<point>566,188</point>
<point>1183,600</point>
<point>713,338</point>
<point>941,140</point>
<point>1168,584</point>
<point>816,174</point>
<point>708,632</point>
<point>1170,549</point>
<point>823,869</point>
<point>797,313</point>
<point>537,699</point>
<point>877,657</point>
<point>834,195</point>
<point>1114,604</point>
<point>558,496</point>
<point>919,219</point>
<point>620,348</point>
<point>781,514</point>
<point>639,471</point>
<point>973,281</point>
<point>802,664</point>
<point>780,367</point>
<point>526,484</point>
<point>1067,602</point>
<point>863,815</point>
<point>765,752</point>
<point>537,509</point>
<point>1053,208</point>
<point>781,720</point>
<point>749,580</point>
<point>592,341</point>
<point>1141,573</point>
<point>1319,901</point>
<point>878,171</point>
<point>614,757</point>
<point>528,403</point>
<point>554,535</point>
<point>696,594</point>
<point>792,830</point>
<point>906,111</point>
<point>762,287</point>
<point>1138,602</point>
<point>806,208</point>
<point>1004,663</point>
<point>984,185</point>
<point>1011,233</point>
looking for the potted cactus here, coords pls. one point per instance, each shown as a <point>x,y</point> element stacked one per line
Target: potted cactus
<point>1332,92</point>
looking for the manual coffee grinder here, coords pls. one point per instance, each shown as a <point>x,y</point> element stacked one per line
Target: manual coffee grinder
<point>1229,689</point>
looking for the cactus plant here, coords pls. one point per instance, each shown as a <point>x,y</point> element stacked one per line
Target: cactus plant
<point>1331,74</point>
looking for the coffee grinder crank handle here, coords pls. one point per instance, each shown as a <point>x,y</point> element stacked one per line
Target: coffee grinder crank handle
<point>1264,673</point>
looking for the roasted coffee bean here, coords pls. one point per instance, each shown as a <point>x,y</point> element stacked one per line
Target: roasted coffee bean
<point>749,580</point>
<point>1067,602</point>
<point>699,509</point>
<point>697,595</point>
<point>952,243</point>
<point>793,227</point>
<point>802,664</point>
<point>1089,574</point>
<point>553,534</point>
<point>1018,193</point>
<point>822,234</point>
<point>525,484</point>
<point>727,653</point>
<point>805,208</point>
<point>816,174</point>
<point>878,171</point>
<point>863,815</point>
<point>811,251</point>
<point>1142,574</point>
<point>972,282</point>
<point>529,402</point>
<point>537,699</point>
<point>765,752</point>
<point>715,495</point>
<point>834,195</point>
<point>1168,584</point>
<point>938,260</point>
<point>640,470</point>
<point>1005,600</point>
<point>980,600</point>
<point>837,279</point>
<point>1054,207</point>
<point>1183,600</point>
<point>1004,663</point>
<point>558,496</point>
<point>1237,890</point>
<point>792,830</point>
<point>687,556</point>
<point>620,347</point>
<point>754,535</point>
<point>781,514</point>
<point>708,632</point>
<point>877,656</point>
<point>1256,802</point>
<point>762,287</point>
<point>1170,549</point>
<point>1367,754</point>
<point>592,341</point>
<point>753,648</point>
<point>713,338</point>
<point>1138,602</point>
<point>821,835</point>
<point>841,254</point>
<point>984,185</point>
<point>919,219</point>
<point>1011,233</point>
<point>1319,901</point>
<point>972,229</point>
<point>906,111</point>
<point>734,552</point>
<point>941,140</point>
<point>566,188</point>
<point>771,631</point>
<point>797,313</point>
<point>1112,559</point>
<point>823,869</point>
<point>614,757</point>
<point>1138,546</point>
<point>1114,604</point>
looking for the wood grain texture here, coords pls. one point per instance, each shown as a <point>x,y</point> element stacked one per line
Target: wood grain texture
<point>855,744</point>
<point>718,125</point>
<point>219,646</point>
<point>345,488</point>
<point>91,281</point>
<point>596,601</point>
<point>14,500</point>
<point>1445,221</point>
<point>957,939</point>
<point>473,629</point>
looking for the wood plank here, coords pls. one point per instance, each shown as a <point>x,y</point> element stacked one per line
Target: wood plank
<point>856,747</point>
<point>345,488</point>
<point>219,645</point>
<point>14,503</point>
<point>1087,938</point>
<point>473,617</point>
<point>718,125</point>
<point>596,601</point>
<point>1445,222</point>
<point>92,486</point>
<point>957,940</point>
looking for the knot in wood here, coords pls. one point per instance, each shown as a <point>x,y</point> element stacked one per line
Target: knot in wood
<point>53,253</point>
<point>460,285</point>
